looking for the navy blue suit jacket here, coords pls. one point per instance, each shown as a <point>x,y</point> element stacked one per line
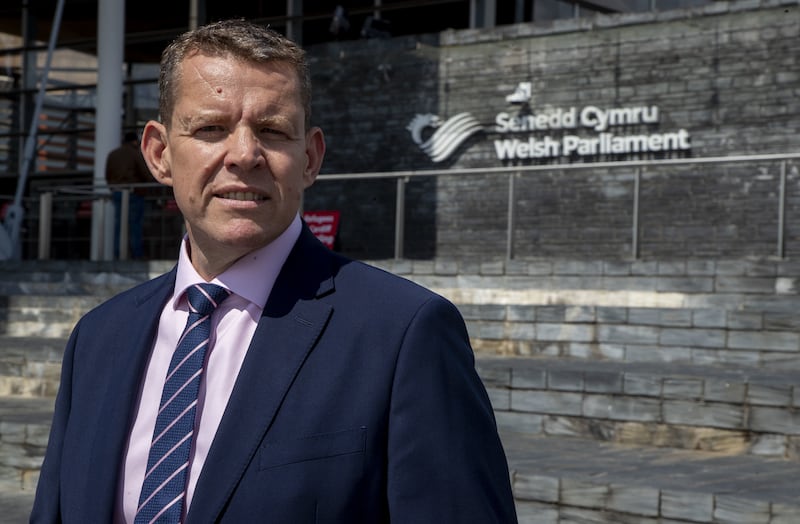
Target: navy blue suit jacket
<point>357,402</point>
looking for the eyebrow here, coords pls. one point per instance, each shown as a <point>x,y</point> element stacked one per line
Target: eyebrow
<point>188,121</point>
<point>276,119</point>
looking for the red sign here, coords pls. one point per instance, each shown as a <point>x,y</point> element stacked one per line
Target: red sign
<point>324,225</point>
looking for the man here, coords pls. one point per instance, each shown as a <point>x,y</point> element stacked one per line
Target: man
<point>125,165</point>
<point>331,391</point>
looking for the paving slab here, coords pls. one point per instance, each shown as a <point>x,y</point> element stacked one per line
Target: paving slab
<point>15,506</point>
<point>652,482</point>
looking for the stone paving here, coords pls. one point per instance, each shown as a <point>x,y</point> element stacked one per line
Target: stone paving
<point>15,507</point>
<point>24,426</point>
<point>648,483</point>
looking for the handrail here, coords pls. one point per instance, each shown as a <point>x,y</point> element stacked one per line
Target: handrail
<point>96,190</point>
<point>403,177</point>
<point>562,167</point>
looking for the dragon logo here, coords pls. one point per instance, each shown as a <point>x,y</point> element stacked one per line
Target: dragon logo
<point>447,135</point>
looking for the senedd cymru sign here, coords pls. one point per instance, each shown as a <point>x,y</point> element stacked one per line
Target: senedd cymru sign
<point>550,133</point>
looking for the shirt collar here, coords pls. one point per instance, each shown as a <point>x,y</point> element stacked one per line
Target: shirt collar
<point>251,277</point>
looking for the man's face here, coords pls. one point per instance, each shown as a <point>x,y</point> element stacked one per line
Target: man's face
<point>236,154</point>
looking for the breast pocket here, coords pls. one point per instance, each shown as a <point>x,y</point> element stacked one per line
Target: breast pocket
<point>313,448</point>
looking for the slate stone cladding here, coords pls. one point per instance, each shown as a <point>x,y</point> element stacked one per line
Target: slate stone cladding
<point>727,73</point>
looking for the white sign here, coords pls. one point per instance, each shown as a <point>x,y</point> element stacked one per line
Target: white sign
<point>585,131</point>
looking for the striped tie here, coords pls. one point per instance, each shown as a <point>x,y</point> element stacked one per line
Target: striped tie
<point>164,488</point>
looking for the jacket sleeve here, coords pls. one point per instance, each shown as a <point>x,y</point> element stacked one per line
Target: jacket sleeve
<point>47,504</point>
<point>446,461</point>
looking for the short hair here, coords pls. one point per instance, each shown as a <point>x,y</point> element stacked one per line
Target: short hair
<point>239,39</point>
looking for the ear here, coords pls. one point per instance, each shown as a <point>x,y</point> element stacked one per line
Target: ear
<point>315,151</point>
<point>156,152</point>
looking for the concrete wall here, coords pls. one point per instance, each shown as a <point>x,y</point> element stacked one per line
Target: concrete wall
<point>727,75</point>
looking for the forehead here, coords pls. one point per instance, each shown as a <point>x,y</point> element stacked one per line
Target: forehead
<point>228,69</point>
<point>204,79</point>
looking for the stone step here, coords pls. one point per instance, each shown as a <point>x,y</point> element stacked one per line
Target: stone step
<point>557,480</point>
<point>685,283</point>
<point>631,334</point>
<point>49,316</point>
<point>30,366</point>
<point>24,429</point>
<point>546,267</point>
<point>16,504</point>
<point>637,334</point>
<point>67,284</point>
<point>639,311</point>
<point>596,272</point>
<point>734,410</point>
<point>79,270</point>
<point>779,293</point>
<point>75,277</point>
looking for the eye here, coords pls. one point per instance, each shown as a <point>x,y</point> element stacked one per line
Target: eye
<point>210,131</point>
<point>271,132</point>
<point>213,128</point>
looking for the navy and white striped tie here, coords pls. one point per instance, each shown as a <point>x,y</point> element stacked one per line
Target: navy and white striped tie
<point>163,492</point>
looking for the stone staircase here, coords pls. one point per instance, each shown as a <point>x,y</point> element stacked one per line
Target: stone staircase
<point>632,442</point>
<point>638,392</point>
<point>39,305</point>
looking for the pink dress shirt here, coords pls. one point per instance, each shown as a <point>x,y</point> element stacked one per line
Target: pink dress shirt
<point>250,279</point>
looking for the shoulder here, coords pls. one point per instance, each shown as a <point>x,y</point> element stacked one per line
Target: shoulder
<point>381,293</point>
<point>361,288</point>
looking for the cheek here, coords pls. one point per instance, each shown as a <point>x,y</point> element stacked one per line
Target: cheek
<point>288,172</point>
<point>194,159</point>
<point>185,190</point>
<point>192,174</point>
<point>291,189</point>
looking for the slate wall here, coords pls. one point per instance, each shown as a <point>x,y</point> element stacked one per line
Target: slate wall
<point>727,74</point>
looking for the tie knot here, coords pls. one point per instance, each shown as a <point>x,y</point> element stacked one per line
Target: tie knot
<point>204,298</point>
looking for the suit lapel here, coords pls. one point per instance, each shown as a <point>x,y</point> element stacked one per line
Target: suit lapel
<point>108,444</point>
<point>290,326</point>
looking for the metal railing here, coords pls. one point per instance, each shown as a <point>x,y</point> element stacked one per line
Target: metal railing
<point>102,193</point>
<point>511,172</point>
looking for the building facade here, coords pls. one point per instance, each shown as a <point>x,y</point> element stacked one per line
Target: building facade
<point>582,133</point>
<point>580,99</point>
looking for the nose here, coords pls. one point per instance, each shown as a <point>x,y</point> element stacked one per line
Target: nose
<point>244,150</point>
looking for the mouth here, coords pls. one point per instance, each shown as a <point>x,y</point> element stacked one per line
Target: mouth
<point>248,196</point>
